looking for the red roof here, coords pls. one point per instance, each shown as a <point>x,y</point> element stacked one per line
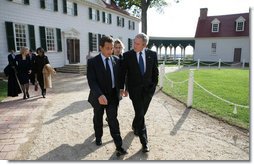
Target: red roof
<point>227,26</point>
<point>113,6</point>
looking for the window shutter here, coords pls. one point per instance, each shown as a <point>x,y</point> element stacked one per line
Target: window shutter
<point>90,42</point>
<point>26,2</point>
<point>31,37</point>
<point>110,19</point>
<point>43,37</point>
<point>10,36</point>
<point>98,15</point>
<point>99,39</point>
<point>59,40</point>
<point>64,7</point>
<point>42,2</point>
<point>55,5</point>
<point>75,9</point>
<point>118,21</point>
<point>90,13</point>
<point>129,43</point>
<point>133,25</point>
<point>103,17</point>
<point>122,22</point>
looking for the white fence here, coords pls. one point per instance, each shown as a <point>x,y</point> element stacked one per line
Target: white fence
<point>191,81</point>
<point>217,64</point>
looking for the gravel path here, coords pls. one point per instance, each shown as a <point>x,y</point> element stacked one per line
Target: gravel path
<point>65,130</point>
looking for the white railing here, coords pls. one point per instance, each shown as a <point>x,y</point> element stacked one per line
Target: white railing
<point>191,83</point>
<point>179,63</point>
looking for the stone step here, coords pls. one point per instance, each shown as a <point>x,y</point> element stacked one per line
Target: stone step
<point>80,69</point>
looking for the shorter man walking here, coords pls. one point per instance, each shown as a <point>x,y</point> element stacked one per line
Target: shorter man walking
<point>102,76</point>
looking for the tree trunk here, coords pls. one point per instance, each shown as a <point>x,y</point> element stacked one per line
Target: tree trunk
<point>144,7</point>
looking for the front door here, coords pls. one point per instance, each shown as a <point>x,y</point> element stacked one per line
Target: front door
<point>237,54</point>
<point>73,51</point>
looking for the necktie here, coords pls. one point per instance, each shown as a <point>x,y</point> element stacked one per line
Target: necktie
<point>141,64</point>
<point>109,78</point>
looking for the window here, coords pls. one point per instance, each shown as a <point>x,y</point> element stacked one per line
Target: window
<point>106,18</point>
<point>215,28</point>
<point>49,5</point>
<point>120,21</point>
<point>50,39</point>
<point>70,8</point>
<point>215,25</point>
<point>213,48</point>
<point>26,2</point>
<point>94,42</point>
<point>94,14</point>
<point>240,24</point>
<point>19,1</point>
<point>131,25</point>
<point>20,34</point>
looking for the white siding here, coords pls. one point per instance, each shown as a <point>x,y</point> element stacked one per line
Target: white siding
<point>32,14</point>
<point>224,49</point>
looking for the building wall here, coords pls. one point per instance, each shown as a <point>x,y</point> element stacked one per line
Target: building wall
<point>224,49</point>
<point>79,25</point>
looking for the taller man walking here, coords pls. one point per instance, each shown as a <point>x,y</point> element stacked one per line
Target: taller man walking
<point>140,65</point>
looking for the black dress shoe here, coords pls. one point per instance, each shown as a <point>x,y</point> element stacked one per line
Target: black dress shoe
<point>145,148</point>
<point>24,96</point>
<point>98,142</point>
<point>120,151</point>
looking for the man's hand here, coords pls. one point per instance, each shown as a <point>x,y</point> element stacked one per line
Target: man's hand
<point>103,100</point>
<point>123,93</point>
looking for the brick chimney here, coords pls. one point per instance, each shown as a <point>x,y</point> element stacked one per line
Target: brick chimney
<point>203,13</point>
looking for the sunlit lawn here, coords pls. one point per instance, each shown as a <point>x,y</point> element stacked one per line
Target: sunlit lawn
<point>229,84</point>
<point>3,90</point>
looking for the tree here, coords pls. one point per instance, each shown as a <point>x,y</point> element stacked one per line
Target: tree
<point>141,5</point>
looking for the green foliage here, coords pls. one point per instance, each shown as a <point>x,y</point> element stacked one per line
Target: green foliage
<point>228,84</point>
<point>3,90</point>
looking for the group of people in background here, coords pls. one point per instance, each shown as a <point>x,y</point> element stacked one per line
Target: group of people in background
<point>112,75</point>
<point>27,67</point>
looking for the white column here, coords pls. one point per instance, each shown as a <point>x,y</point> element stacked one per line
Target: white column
<point>219,63</point>
<point>198,63</point>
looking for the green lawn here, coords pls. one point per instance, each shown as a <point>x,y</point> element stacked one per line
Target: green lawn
<point>3,90</point>
<point>229,84</point>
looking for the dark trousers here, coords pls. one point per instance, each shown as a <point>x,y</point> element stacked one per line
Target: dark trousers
<point>41,83</point>
<point>111,111</point>
<point>140,105</point>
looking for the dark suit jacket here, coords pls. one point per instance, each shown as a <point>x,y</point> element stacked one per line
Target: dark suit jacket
<point>96,76</point>
<point>135,81</point>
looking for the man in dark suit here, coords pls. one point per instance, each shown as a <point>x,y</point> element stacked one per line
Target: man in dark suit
<point>141,68</point>
<point>102,76</point>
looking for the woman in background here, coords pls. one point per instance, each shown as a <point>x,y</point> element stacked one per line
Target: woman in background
<point>40,61</point>
<point>13,87</point>
<point>24,69</point>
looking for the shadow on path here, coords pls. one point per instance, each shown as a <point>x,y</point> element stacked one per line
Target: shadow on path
<point>77,152</point>
<point>180,121</point>
<point>71,109</point>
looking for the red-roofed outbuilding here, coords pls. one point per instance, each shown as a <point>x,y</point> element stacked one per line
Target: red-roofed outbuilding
<point>224,37</point>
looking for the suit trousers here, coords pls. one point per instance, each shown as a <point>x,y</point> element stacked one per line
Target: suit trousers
<point>111,111</point>
<point>140,104</point>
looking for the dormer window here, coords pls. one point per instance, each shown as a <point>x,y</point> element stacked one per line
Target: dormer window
<point>215,25</point>
<point>240,24</point>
